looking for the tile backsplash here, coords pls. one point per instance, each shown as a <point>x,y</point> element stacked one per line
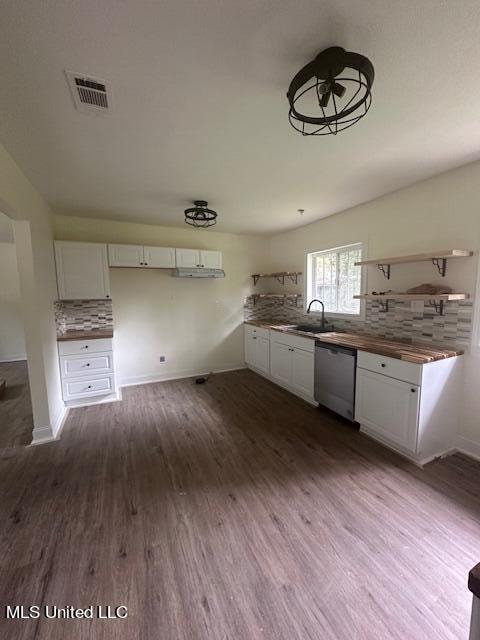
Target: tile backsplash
<point>83,315</point>
<point>399,322</point>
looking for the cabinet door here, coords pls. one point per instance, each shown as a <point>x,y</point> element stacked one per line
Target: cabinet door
<point>302,372</point>
<point>187,258</point>
<point>281,363</point>
<point>159,257</point>
<point>262,355</point>
<point>250,350</point>
<point>388,407</point>
<point>125,255</point>
<point>211,259</point>
<point>82,270</point>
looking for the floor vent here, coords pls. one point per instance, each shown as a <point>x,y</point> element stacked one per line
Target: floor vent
<point>89,94</point>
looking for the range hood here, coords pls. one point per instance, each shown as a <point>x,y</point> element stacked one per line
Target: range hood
<point>181,272</point>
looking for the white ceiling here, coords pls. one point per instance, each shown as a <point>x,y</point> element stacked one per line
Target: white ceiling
<point>200,108</point>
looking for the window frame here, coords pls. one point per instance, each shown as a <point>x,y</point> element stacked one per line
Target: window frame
<point>309,276</point>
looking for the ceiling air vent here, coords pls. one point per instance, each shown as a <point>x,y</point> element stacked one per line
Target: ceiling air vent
<point>89,94</point>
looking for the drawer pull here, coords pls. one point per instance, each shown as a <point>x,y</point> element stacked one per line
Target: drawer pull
<point>89,386</point>
<point>413,390</point>
<point>383,364</point>
<point>88,364</point>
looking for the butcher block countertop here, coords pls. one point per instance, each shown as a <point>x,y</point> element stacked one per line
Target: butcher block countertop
<point>409,352</point>
<point>92,334</point>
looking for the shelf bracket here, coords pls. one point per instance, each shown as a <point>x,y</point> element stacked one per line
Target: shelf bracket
<point>385,269</point>
<point>256,278</point>
<point>280,279</point>
<point>293,277</point>
<point>383,304</point>
<point>441,264</point>
<point>439,306</point>
<point>255,298</point>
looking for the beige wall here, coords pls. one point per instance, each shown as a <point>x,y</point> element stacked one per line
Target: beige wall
<point>33,231</point>
<point>196,324</point>
<point>12,338</point>
<point>440,213</point>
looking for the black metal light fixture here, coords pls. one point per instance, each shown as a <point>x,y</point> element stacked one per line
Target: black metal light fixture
<point>200,215</point>
<point>331,93</point>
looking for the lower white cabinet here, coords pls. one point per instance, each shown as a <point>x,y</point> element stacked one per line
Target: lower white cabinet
<point>285,359</point>
<point>388,407</point>
<point>257,348</point>
<point>411,408</point>
<point>86,369</point>
<point>291,366</point>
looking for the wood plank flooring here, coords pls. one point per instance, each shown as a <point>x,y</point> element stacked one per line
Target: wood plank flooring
<point>16,420</point>
<point>234,511</point>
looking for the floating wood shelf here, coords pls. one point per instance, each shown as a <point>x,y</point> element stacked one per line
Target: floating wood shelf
<point>281,296</point>
<point>438,258</point>
<point>437,300</point>
<point>280,276</point>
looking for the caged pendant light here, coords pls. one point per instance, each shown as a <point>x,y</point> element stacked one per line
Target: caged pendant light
<point>331,93</point>
<point>200,215</point>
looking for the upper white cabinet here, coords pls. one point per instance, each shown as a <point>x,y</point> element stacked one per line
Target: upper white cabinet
<point>131,255</point>
<point>82,270</point>
<point>159,257</point>
<point>198,258</point>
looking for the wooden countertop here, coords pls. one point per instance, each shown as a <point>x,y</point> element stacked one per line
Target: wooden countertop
<point>409,352</point>
<point>92,334</point>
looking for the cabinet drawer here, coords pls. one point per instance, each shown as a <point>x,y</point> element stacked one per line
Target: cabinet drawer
<point>74,366</point>
<point>74,388</point>
<point>82,347</point>
<point>297,342</point>
<point>406,371</point>
<point>252,330</point>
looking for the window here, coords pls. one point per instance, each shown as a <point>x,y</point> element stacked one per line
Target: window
<point>333,279</point>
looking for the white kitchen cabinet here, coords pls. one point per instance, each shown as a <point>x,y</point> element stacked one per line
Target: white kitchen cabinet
<point>159,257</point>
<point>82,270</point>
<point>86,370</point>
<point>412,408</point>
<point>257,348</point>
<point>131,255</point>
<point>198,258</point>
<point>388,407</point>
<point>303,363</point>
<point>211,259</point>
<point>125,255</point>
<point>281,363</point>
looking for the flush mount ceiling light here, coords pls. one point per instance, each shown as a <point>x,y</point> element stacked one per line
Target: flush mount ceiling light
<point>331,93</point>
<point>200,215</point>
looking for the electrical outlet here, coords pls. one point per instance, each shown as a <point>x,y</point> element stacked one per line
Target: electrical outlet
<point>163,359</point>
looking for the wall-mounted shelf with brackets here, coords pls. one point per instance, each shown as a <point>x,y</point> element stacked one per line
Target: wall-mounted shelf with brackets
<point>437,300</point>
<point>438,258</point>
<point>280,276</point>
<point>280,296</point>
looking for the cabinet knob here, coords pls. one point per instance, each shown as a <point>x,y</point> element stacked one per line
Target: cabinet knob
<point>383,364</point>
<point>88,364</point>
<point>86,346</point>
<point>108,295</point>
<point>413,390</point>
<point>89,386</point>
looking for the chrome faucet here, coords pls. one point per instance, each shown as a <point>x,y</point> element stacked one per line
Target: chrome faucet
<point>324,322</point>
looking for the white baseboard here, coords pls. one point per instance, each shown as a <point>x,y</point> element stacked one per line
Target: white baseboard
<point>13,358</point>
<point>468,447</point>
<point>176,375</point>
<point>50,433</point>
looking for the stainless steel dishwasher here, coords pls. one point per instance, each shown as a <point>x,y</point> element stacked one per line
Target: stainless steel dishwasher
<point>335,378</point>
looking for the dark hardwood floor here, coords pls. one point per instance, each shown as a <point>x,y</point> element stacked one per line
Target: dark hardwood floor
<point>234,511</point>
<point>16,420</point>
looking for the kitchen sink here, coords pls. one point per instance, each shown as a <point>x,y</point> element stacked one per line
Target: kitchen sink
<point>313,328</point>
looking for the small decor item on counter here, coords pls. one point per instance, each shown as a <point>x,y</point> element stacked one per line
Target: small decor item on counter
<point>200,215</point>
<point>430,289</point>
<point>330,93</point>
